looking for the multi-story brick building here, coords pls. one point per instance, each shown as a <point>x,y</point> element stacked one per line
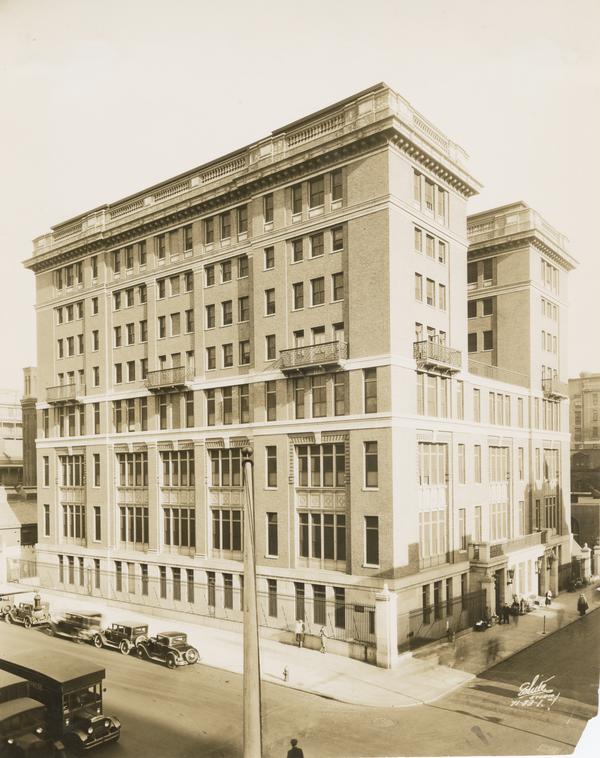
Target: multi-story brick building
<point>307,296</point>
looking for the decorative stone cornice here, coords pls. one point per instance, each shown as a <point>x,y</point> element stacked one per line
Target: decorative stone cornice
<point>484,249</point>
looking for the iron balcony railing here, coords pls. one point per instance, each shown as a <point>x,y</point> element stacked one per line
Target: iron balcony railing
<point>65,393</point>
<point>552,387</point>
<point>497,373</point>
<point>428,353</point>
<point>165,378</point>
<point>321,354</point>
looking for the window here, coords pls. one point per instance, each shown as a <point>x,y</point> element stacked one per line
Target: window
<point>418,287</point>
<point>226,271</point>
<point>337,239</point>
<point>244,352</point>
<point>179,527</point>
<point>460,399</point>
<point>430,292</point>
<point>441,252</point>
<point>270,347</point>
<point>162,327</point>
<point>209,231</point>
<point>370,390</point>
<point>118,373</point>
<point>472,309</point>
<point>462,533</point>
<point>472,342</point>
<point>321,465</point>
<point>228,355</point>
<point>242,266</point>
<point>226,529</point>
<point>96,376</point>
<point>129,257</point>
<point>96,458</point>
<point>210,316</point>
<point>340,391</point>
<point>299,398</point>
<point>297,250</point>
<point>429,246</point>
<point>269,257</point>
<point>432,464</point>
<point>268,207</point>
<point>317,245</point>
<point>269,302</point>
<point>488,272</point>
<point>372,540</point>
<point>160,246</point>
<point>297,199</point>
<point>442,297</point>
<point>337,188</point>
<point>371,465</point>
<point>143,368</point>
<point>477,463</point>
<point>209,273</point>
<point>271,400</point>
<point>174,285</point>
<point>271,458</point>
<point>338,286</point>
<point>243,309</point>
<point>316,192</point>
<point>161,285</point>
<point>211,358</point>
<point>488,306</point>
<point>227,313</point>
<point>318,290</point>
<point>131,371</point>
<point>130,334</point>
<point>428,195</point>
<point>298,292</point>
<point>488,340</point>
<point>225,221</point>
<point>417,186</point>
<point>322,536</point>
<point>116,263</point>
<point>242,219</point>
<point>46,520</point>
<point>272,597</point>
<point>142,252</point>
<point>462,474</point>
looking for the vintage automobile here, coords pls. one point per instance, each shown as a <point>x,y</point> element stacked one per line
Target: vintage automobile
<point>28,614</point>
<point>168,647</point>
<point>79,627</point>
<point>125,637</point>
<point>23,730</point>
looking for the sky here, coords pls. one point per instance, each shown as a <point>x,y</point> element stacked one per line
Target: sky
<point>101,98</point>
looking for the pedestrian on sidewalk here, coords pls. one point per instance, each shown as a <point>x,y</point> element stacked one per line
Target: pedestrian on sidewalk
<point>582,604</point>
<point>295,751</point>
<point>300,632</point>
<point>549,597</point>
<point>505,613</point>
<point>323,635</point>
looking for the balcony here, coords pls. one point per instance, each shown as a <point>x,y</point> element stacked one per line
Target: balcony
<point>553,388</point>
<point>432,355</point>
<point>497,373</point>
<point>167,379</point>
<point>65,393</point>
<point>484,552</point>
<point>311,358</point>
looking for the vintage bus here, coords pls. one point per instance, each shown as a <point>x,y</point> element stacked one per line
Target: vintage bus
<point>71,690</point>
<point>12,687</point>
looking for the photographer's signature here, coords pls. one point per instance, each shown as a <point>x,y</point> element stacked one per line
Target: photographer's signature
<point>536,694</point>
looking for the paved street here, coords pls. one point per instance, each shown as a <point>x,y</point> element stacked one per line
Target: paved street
<point>197,711</point>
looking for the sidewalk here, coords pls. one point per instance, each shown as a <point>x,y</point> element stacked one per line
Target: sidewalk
<point>427,675</point>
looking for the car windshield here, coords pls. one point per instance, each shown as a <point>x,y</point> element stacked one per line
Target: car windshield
<point>178,639</point>
<point>139,630</point>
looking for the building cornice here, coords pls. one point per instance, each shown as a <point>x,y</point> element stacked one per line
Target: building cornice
<point>371,119</point>
<point>514,242</point>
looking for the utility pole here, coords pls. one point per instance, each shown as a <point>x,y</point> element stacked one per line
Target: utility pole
<point>252,695</point>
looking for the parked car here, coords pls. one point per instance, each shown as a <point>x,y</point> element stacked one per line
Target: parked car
<point>28,614</point>
<point>79,627</point>
<point>125,637</point>
<point>168,647</point>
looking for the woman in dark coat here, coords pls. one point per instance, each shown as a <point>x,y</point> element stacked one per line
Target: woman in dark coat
<point>582,605</point>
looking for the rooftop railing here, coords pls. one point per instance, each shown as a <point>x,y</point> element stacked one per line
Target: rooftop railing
<point>498,373</point>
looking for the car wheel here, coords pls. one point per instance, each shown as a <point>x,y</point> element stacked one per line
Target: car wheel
<point>27,622</point>
<point>124,647</point>
<point>50,631</point>
<point>171,662</point>
<point>191,655</point>
<point>98,641</point>
<point>141,653</point>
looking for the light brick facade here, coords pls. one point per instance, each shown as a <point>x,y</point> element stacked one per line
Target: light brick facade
<point>306,295</point>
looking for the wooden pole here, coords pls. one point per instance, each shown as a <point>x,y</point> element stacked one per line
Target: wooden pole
<point>252,695</point>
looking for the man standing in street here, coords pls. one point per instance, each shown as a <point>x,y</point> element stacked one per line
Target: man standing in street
<point>582,605</point>
<point>300,632</point>
<point>295,751</point>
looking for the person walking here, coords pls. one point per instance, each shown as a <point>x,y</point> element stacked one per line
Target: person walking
<point>299,632</point>
<point>582,604</point>
<point>323,635</point>
<point>549,597</point>
<point>295,751</point>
